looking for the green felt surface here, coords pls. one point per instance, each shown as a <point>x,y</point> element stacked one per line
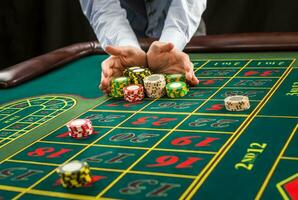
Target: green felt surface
<point>187,148</point>
<point>70,79</point>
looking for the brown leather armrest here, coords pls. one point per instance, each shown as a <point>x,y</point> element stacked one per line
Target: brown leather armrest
<point>34,67</point>
<point>242,42</point>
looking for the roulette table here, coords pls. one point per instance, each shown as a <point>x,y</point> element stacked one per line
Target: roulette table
<point>182,148</point>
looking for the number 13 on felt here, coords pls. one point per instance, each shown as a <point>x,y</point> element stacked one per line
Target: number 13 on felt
<point>163,161</point>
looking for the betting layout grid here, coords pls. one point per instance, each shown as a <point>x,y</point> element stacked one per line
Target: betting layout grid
<point>150,148</point>
<point>23,116</point>
<point>263,155</point>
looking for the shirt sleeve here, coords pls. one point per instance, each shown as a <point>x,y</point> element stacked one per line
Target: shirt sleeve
<point>182,21</point>
<point>109,22</point>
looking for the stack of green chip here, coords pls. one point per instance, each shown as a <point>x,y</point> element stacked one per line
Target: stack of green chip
<point>175,78</point>
<point>176,89</point>
<point>117,85</point>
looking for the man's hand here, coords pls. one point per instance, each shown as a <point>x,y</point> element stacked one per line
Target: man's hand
<point>164,58</point>
<point>120,58</point>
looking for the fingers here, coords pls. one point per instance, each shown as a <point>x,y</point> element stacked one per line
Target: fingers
<point>102,85</point>
<point>122,51</point>
<point>193,80</point>
<point>189,71</point>
<point>115,51</point>
<point>188,75</point>
<point>106,74</point>
<point>106,67</point>
<point>105,84</point>
<point>161,47</point>
<point>191,77</point>
<point>188,67</point>
<point>111,67</point>
<point>179,62</point>
<point>166,47</point>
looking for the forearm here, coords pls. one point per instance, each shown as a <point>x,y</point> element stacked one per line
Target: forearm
<point>109,22</point>
<point>182,21</point>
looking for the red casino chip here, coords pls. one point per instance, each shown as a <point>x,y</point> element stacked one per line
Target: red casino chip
<point>79,128</point>
<point>133,93</point>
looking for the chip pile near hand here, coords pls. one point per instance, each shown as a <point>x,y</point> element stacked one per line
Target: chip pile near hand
<point>138,81</point>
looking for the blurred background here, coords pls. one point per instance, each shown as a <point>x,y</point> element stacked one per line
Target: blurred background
<point>29,28</point>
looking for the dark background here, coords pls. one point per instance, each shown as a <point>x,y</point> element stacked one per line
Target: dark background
<point>32,27</point>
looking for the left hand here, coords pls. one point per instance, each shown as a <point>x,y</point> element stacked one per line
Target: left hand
<point>120,58</point>
<point>164,58</point>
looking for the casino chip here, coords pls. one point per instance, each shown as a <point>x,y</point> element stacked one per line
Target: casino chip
<point>128,71</point>
<point>175,78</point>
<point>74,174</point>
<point>117,85</point>
<point>155,85</point>
<point>80,128</point>
<point>176,89</point>
<point>133,93</point>
<point>137,75</point>
<point>237,103</point>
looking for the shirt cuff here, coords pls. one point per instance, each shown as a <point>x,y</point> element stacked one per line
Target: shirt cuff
<point>175,37</point>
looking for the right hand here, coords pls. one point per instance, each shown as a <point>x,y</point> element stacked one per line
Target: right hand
<point>120,58</point>
<point>166,59</point>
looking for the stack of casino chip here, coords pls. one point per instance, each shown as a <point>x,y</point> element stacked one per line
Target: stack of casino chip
<point>117,85</point>
<point>80,128</point>
<point>137,74</point>
<point>176,89</point>
<point>175,78</point>
<point>128,71</point>
<point>155,85</point>
<point>133,93</point>
<point>237,103</point>
<point>74,174</point>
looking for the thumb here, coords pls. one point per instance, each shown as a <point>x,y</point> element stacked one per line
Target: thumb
<point>112,50</point>
<point>166,47</point>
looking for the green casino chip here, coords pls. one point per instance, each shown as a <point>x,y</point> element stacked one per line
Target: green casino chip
<point>176,89</point>
<point>120,82</point>
<point>175,78</point>
<point>117,85</point>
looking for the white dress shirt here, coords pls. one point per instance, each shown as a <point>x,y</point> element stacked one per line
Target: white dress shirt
<point>111,26</point>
